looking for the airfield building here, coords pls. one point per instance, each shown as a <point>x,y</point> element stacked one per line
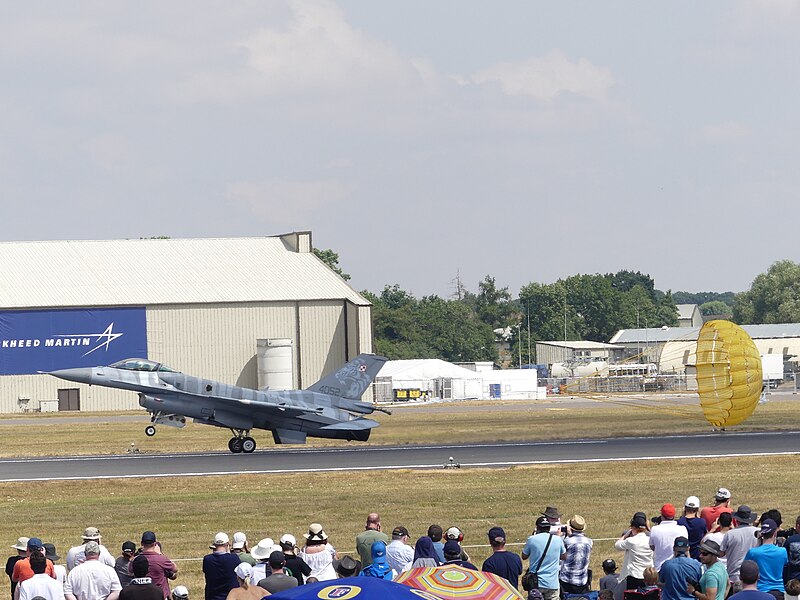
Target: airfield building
<point>252,312</point>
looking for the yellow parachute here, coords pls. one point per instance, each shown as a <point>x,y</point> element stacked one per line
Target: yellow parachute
<point>728,373</point>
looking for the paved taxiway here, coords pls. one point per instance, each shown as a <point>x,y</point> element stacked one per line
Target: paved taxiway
<point>355,458</point>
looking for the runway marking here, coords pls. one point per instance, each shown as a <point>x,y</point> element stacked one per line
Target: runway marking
<point>397,467</point>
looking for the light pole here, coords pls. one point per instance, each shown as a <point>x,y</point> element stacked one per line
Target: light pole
<point>528,310</point>
<point>519,342</point>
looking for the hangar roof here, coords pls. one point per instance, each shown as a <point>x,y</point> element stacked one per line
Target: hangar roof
<point>581,345</point>
<point>166,271</point>
<point>669,334</point>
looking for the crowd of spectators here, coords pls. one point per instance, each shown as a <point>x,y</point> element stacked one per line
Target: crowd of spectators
<point>706,553</point>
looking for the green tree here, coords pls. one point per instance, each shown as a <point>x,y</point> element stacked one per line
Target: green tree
<point>331,258</point>
<point>492,305</point>
<point>774,296</point>
<point>715,307</point>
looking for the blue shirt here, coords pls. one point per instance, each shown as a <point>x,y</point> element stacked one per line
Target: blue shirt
<point>505,564</point>
<point>674,573</point>
<point>770,559</point>
<point>548,572</point>
<point>220,575</point>
<point>697,528</point>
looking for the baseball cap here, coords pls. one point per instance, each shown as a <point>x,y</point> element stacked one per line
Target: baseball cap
<point>148,537</point>
<point>276,557</point>
<point>497,534</point>
<point>452,548</point>
<point>287,539</point>
<point>692,502</point>
<point>91,547</point>
<point>378,549</point>
<point>129,546</point>
<point>680,543</point>
<point>243,570</point>
<point>91,533</point>
<point>239,540</point>
<point>639,520</point>
<point>399,531</point>
<point>668,511</point>
<point>35,543</point>
<point>454,533</point>
<point>542,523</point>
<point>723,494</point>
<point>768,527</point>
<point>180,592</point>
<point>220,539</point>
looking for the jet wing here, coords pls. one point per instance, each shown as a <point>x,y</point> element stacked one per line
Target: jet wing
<point>277,408</point>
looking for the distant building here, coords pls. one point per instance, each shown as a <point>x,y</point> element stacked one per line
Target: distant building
<point>550,352</point>
<point>689,315</point>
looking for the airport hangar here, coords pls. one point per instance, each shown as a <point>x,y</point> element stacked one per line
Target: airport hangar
<point>246,311</point>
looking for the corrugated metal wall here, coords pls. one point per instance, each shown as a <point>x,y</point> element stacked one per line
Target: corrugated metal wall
<point>218,341</point>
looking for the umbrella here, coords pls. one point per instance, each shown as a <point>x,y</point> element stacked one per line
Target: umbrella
<point>354,587</point>
<point>453,582</point>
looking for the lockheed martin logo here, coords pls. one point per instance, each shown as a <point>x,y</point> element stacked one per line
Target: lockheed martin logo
<point>102,340</point>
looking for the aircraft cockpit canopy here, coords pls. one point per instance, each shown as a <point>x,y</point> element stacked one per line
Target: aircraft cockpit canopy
<point>142,364</point>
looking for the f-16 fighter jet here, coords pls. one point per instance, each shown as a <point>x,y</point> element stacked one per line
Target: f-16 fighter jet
<point>331,408</point>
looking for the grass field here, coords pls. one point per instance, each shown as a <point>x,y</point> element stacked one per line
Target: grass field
<point>439,423</point>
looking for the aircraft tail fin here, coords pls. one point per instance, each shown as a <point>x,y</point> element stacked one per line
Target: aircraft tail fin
<point>353,379</point>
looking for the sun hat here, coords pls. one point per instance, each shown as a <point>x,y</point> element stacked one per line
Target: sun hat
<point>91,533</point>
<point>315,533</point>
<point>577,523</point>
<point>551,512</point>
<point>744,514</point>
<point>710,546</point>
<point>91,547</point>
<point>50,552</point>
<point>262,549</point>
<point>22,544</point>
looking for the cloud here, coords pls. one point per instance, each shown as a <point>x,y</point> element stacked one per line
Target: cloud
<point>727,132</point>
<point>547,77</point>
<point>284,203</point>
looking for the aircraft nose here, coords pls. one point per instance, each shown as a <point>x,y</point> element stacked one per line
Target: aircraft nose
<point>79,375</point>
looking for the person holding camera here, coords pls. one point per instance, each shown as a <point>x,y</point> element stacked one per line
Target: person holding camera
<point>574,575</point>
<point>679,571</point>
<point>543,550</point>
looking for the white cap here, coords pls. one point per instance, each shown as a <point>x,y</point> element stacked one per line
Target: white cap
<point>287,539</point>
<point>454,533</point>
<point>180,591</point>
<point>220,539</point>
<point>239,540</point>
<point>243,570</point>
<point>723,494</point>
<point>692,502</point>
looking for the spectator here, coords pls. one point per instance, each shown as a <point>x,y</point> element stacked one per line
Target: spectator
<point>722,504</point>
<point>737,542</point>
<point>180,592</point>
<point>502,562</point>
<point>279,581</point>
<point>435,532</point>
<point>245,588</point>
<point>260,554</point>
<point>22,552</point>
<point>92,579</point>
<point>792,545</point>
<point>454,533</point>
<point>295,566</point>
<point>425,555</point>
<point>771,560</point>
<point>677,571</point>
<point>714,582</point>
<point>239,548</point>
<point>721,526</point>
<point>650,581</point>
<point>372,533</point>
<point>22,568</point>
<point>638,555</point>
<point>123,564</point>
<point>76,554</point>
<point>141,585</point>
<point>543,550</point>
<point>399,555</point>
<point>59,570</point>
<point>347,567</point>
<point>40,584</point>
<point>318,553</point>
<point>162,569</point>
<point>552,514</point>
<point>610,578</point>
<point>574,574</point>
<point>792,589</point>
<point>748,574</point>
<point>662,536</point>
<point>219,568</point>
<point>379,567</point>
<point>452,556</point>
<point>695,526</point>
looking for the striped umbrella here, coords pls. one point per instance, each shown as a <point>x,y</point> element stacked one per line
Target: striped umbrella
<point>453,582</point>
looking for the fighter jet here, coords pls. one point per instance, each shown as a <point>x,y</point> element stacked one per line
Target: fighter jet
<point>331,408</point>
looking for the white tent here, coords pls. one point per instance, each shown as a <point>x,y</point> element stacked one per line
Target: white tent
<point>433,378</point>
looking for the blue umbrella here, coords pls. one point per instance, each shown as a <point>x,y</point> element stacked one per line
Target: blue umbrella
<point>354,587</point>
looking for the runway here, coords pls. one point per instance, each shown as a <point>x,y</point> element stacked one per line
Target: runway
<point>360,458</point>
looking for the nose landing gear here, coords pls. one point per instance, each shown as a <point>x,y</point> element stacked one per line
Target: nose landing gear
<point>241,442</point>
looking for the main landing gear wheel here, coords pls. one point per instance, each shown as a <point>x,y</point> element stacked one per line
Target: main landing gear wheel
<point>248,445</point>
<point>149,431</point>
<point>235,445</point>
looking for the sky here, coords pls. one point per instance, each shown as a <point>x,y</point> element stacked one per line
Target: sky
<point>421,140</point>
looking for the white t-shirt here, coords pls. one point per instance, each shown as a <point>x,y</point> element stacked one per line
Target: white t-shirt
<point>91,580</point>
<point>638,555</point>
<point>41,585</point>
<point>662,538</point>
<point>76,556</point>
<point>61,574</point>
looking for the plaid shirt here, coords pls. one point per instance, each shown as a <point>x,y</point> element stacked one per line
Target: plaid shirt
<point>575,567</point>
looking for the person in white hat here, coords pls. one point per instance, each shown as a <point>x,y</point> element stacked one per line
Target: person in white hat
<point>260,554</point>
<point>319,554</point>
<point>722,504</point>
<point>296,565</point>
<point>239,547</point>
<point>219,568</point>
<point>247,589</point>
<point>695,525</point>
<point>22,552</point>
<point>76,554</point>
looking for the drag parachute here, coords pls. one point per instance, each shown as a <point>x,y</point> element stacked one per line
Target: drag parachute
<point>728,373</point>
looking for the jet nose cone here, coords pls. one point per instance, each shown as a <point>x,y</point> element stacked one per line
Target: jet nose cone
<point>80,375</point>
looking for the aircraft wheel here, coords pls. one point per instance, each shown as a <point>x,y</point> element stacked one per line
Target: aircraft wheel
<point>248,445</point>
<point>235,445</point>
<point>149,431</point>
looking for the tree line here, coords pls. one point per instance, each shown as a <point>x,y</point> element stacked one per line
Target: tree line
<point>581,307</point>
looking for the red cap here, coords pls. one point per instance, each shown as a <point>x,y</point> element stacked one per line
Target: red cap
<point>668,511</point>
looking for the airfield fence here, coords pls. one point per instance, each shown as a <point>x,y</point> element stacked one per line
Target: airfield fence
<point>619,384</point>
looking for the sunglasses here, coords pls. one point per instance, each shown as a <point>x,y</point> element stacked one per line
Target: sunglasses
<point>702,553</point>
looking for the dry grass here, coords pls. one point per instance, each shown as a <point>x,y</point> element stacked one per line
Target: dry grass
<point>451,422</point>
<point>186,512</point>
